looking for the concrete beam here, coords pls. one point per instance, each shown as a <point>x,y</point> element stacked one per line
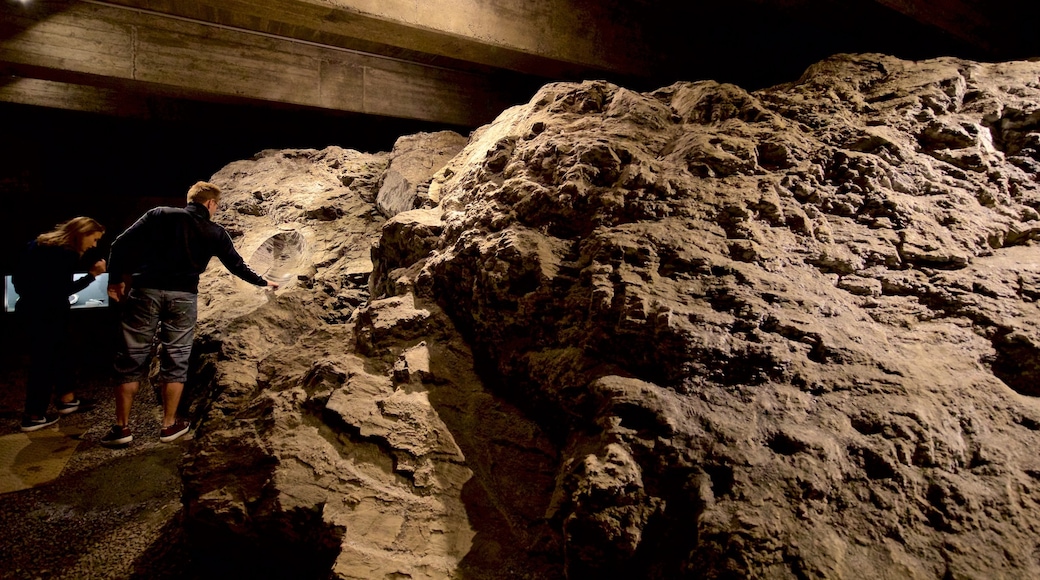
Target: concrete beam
<point>100,45</point>
<point>461,62</point>
<point>548,38</point>
<point>73,97</point>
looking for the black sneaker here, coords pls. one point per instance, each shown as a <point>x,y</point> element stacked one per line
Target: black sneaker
<point>119,435</point>
<point>179,427</point>
<point>78,405</point>
<point>66,408</point>
<point>36,422</point>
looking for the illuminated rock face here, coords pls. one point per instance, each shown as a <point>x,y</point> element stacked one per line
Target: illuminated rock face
<point>697,332</point>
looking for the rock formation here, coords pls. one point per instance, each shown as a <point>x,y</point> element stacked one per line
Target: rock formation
<point>697,332</point>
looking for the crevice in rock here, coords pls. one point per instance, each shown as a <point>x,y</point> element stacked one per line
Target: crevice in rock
<point>1016,132</point>
<point>1017,362</point>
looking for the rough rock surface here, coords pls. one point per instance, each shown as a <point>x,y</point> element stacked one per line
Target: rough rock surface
<point>697,332</point>
<point>413,162</point>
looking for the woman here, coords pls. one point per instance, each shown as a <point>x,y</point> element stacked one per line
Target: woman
<point>44,284</point>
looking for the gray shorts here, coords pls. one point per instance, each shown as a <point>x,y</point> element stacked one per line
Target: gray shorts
<point>164,314</point>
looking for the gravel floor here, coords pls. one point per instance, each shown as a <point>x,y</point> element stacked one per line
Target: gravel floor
<point>111,513</point>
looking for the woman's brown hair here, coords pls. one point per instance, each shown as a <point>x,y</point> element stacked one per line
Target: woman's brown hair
<point>70,234</point>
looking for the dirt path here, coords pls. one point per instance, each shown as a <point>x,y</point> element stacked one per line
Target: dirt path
<point>108,513</point>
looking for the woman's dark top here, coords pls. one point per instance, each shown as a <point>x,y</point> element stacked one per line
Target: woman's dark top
<point>43,278</point>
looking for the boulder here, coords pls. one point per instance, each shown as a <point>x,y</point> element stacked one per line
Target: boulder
<point>693,332</point>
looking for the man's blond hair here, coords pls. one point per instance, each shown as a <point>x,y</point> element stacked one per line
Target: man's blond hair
<point>202,192</point>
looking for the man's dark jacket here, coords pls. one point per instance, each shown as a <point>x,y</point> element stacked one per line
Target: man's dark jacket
<point>168,248</point>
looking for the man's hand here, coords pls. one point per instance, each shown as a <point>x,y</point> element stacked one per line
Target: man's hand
<point>117,291</point>
<point>98,268</point>
<point>272,285</point>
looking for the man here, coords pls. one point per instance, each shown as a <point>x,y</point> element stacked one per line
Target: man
<point>160,258</point>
